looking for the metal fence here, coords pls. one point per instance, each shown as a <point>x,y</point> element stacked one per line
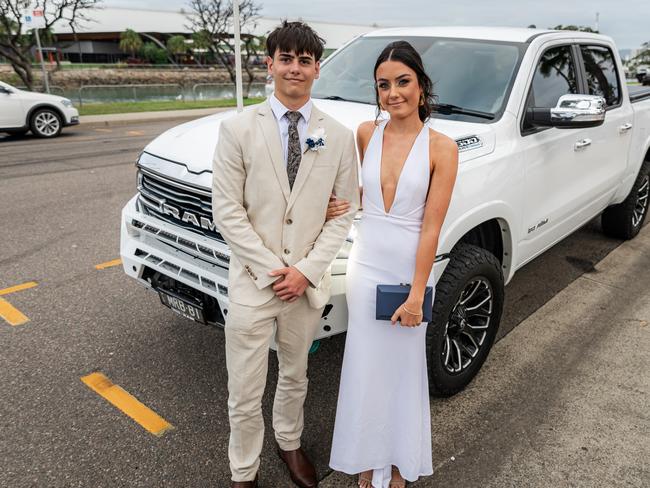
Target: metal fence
<point>130,93</point>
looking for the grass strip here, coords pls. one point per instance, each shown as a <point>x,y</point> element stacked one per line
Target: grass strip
<point>131,107</point>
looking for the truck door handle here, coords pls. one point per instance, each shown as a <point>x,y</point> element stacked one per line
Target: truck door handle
<point>624,128</point>
<point>581,144</point>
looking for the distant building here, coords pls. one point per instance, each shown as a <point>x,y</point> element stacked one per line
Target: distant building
<point>97,40</point>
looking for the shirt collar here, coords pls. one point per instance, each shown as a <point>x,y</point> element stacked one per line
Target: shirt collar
<point>279,110</point>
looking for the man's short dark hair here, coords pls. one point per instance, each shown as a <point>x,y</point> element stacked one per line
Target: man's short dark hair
<point>297,37</point>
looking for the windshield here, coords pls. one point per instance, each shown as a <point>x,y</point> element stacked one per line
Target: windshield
<point>468,74</point>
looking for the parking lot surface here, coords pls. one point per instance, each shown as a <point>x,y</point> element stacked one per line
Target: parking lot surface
<point>555,405</point>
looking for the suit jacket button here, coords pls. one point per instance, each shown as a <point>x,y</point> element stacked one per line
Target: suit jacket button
<point>286,251</point>
<point>289,221</point>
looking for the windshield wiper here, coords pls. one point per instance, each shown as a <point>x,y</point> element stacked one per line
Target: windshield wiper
<point>338,98</point>
<point>448,109</point>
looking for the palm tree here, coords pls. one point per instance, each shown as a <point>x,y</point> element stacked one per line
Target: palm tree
<point>176,46</point>
<point>130,41</point>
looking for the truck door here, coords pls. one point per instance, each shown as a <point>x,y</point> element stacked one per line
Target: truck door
<point>555,159</point>
<point>610,142</point>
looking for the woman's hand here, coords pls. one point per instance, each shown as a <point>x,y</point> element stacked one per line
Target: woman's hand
<point>336,208</point>
<point>409,313</point>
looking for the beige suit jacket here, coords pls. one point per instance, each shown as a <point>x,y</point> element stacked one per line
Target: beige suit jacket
<point>267,225</point>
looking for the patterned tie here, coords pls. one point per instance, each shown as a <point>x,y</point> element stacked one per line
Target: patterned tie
<point>294,153</point>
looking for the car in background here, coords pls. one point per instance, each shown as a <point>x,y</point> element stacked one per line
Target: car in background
<point>642,74</point>
<point>43,114</point>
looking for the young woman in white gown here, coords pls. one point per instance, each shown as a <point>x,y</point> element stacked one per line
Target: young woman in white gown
<point>383,428</point>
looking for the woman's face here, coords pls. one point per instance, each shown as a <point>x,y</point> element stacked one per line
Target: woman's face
<point>398,89</point>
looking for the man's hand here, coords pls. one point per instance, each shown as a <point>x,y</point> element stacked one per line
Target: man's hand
<point>291,285</point>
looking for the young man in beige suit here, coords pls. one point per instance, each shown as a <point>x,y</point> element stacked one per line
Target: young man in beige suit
<point>275,167</point>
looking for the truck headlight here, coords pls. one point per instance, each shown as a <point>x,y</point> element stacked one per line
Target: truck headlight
<point>67,103</point>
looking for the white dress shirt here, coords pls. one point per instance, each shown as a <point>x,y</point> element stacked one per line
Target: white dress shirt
<point>279,111</point>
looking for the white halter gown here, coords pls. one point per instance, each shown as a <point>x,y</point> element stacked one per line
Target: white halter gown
<point>383,415</point>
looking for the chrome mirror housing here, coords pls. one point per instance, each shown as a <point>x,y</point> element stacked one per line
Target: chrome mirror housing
<point>571,111</point>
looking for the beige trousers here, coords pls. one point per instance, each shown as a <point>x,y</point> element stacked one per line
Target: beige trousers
<point>248,334</point>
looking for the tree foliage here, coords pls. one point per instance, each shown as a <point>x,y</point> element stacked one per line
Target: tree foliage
<point>16,43</point>
<point>176,46</point>
<point>214,20</point>
<point>130,42</point>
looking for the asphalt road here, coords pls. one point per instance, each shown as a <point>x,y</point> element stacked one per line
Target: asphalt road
<point>60,204</point>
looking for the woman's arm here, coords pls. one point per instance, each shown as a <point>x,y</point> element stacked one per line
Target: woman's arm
<point>444,153</point>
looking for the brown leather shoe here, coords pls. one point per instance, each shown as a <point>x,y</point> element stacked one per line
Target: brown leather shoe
<point>300,467</point>
<point>245,484</point>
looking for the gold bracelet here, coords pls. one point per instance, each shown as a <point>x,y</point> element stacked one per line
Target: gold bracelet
<point>411,313</point>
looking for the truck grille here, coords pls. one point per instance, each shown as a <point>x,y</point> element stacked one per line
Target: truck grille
<point>173,202</point>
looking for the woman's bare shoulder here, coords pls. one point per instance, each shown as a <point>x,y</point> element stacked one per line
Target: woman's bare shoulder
<point>365,129</point>
<point>441,144</point>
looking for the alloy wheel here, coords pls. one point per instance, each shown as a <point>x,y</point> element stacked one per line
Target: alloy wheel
<point>641,205</point>
<point>47,123</point>
<point>468,324</point>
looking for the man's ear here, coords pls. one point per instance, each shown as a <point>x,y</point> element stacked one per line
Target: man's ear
<point>317,69</point>
<point>269,65</point>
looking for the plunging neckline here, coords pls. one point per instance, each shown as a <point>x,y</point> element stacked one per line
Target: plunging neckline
<point>399,178</point>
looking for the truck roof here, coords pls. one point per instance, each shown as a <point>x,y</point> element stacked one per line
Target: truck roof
<point>509,34</point>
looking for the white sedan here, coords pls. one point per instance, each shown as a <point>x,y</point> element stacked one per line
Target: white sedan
<point>45,115</point>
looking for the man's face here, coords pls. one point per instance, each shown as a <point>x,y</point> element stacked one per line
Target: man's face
<point>293,75</point>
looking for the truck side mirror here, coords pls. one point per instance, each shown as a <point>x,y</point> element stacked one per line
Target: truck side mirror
<point>4,90</point>
<point>571,112</point>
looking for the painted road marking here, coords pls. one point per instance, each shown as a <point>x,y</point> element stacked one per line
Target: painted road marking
<point>11,314</point>
<point>127,403</point>
<point>13,289</point>
<point>135,133</point>
<point>103,130</point>
<point>109,264</point>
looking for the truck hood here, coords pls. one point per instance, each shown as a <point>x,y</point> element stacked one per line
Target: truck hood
<point>193,144</point>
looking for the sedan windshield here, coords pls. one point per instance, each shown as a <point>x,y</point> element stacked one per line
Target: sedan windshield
<point>472,78</point>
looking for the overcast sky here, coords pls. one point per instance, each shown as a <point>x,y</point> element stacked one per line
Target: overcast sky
<point>627,21</point>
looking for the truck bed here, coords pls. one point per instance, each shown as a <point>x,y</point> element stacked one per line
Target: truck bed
<point>638,93</point>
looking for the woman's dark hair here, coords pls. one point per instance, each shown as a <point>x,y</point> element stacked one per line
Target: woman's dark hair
<point>403,52</point>
<point>297,37</point>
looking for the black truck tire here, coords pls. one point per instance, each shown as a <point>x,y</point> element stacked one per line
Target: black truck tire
<point>624,220</point>
<point>466,314</point>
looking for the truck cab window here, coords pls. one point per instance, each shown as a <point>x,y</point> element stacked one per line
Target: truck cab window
<point>600,70</point>
<point>555,76</point>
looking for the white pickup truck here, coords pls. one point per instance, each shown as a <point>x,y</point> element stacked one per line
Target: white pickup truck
<point>549,137</point>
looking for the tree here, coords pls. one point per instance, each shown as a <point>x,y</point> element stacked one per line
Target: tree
<point>130,41</point>
<point>16,44</point>
<point>201,42</point>
<point>153,53</point>
<point>176,46</point>
<point>215,18</point>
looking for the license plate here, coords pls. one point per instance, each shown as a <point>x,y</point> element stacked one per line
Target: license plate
<point>181,306</point>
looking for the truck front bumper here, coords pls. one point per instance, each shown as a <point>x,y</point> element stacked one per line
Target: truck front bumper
<point>149,246</point>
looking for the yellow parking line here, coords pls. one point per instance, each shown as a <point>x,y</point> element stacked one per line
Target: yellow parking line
<point>127,403</point>
<point>11,314</point>
<point>13,289</point>
<point>109,264</point>
<point>135,133</point>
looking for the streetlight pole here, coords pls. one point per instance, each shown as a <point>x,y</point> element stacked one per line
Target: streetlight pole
<point>40,51</point>
<point>238,67</point>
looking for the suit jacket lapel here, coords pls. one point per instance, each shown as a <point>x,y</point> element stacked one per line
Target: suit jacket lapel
<point>308,156</point>
<point>269,127</point>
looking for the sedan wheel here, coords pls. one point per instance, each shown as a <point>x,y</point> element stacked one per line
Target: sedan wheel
<point>46,123</point>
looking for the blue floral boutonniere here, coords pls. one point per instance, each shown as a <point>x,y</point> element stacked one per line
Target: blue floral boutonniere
<point>316,141</point>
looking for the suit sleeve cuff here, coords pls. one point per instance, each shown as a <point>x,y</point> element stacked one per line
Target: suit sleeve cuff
<point>313,276</point>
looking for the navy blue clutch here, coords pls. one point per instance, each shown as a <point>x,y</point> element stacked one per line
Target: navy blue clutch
<point>390,297</point>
